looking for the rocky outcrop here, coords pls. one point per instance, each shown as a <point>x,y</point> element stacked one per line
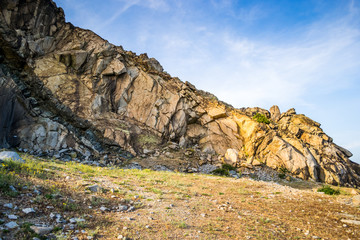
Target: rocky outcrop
<point>65,87</point>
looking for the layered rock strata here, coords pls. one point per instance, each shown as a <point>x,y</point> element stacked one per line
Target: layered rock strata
<point>66,87</point>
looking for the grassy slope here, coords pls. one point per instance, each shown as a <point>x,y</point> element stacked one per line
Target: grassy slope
<point>170,205</point>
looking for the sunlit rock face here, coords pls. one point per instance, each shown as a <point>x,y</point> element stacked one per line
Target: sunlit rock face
<point>63,87</point>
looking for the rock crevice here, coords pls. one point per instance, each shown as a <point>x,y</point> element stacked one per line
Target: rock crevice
<point>67,87</point>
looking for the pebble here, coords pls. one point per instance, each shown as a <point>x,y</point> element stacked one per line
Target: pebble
<point>104,209</point>
<point>123,208</point>
<point>355,222</point>
<point>12,217</point>
<point>8,205</point>
<point>37,192</point>
<point>11,225</point>
<point>12,188</point>
<point>131,209</point>
<point>42,230</point>
<point>95,188</point>
<point>76,220</point>
<point>28,210</point>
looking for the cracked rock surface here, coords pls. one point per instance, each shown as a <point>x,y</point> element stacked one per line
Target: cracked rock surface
<point>63,88</point>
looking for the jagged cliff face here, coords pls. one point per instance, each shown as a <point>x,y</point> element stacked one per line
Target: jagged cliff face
<point>65,87</point>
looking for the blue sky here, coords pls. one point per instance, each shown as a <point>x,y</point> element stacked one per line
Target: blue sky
<point>293,53</point>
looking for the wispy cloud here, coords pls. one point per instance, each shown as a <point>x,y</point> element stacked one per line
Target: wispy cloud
<point>157,5</point>
<point>265,71</point>
<point>247,14</point>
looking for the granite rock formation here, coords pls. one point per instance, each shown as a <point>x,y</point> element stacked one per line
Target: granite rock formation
<point>63,87</point>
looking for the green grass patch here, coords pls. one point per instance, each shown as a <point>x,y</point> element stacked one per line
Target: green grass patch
<point>261,118</point>
<point>228,167</point>
<point>329,190</point>
<point>221,172</point>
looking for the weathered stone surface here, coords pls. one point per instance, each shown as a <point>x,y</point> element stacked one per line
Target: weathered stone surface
<point>350,221</point>
<point>217,112</point>
<point>95,188</point>
<point>11,156</point>
<point>11,225</point>
<point>64,87</point>
<point>275,113</point>
<point>356,200</point>
<point>231,156</point>
<point>41,230</point>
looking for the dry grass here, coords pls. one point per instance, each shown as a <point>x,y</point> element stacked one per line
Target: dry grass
<point>183,206</point>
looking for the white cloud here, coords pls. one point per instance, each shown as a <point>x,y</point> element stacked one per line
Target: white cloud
<point>255,72</point>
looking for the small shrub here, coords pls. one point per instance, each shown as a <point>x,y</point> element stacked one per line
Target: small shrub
<point>328,190</point>
<point>8,179</point>
<point>157,191</point>
<point>182,225</point>
<point>261,118</point>
<point>25,232</point>
<point>221,172</point>
<point>282,175</point>
<point>283,172</point>
<point>228,167</point>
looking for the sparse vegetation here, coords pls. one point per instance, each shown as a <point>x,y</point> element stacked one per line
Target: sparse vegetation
<point>261,118</point>
<point>228,167</point>
<point>190,203</point>
<point>329,190</point>
<point>224,170</point>
<point>148,139</point>
<point>283,171</point>
<point>221,172</point>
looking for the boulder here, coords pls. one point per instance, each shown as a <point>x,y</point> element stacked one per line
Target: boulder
<point>231,156</point>
<point>217,112</point>
<point>275,113</point>
<point>9,155</point>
